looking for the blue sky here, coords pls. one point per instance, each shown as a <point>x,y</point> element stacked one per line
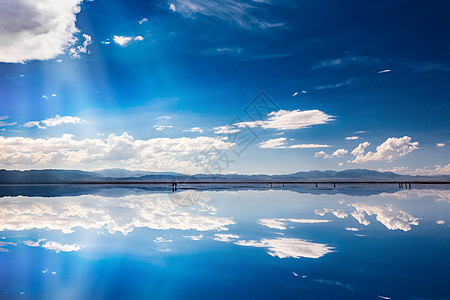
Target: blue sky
<point>155,85</point>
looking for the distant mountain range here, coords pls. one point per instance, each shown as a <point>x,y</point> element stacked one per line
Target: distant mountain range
<point>122,175</point>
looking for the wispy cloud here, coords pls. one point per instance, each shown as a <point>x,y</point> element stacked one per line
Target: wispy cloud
<point>194,129</point>
<point>384,71</point>
<point>345,61</point>
<point>350,138</point>
<point>3,123</point>
<point>337,85</point>
<point>235,12</point>
<point>280,143</point>
<point>162,127</point>
<point>288,120</point>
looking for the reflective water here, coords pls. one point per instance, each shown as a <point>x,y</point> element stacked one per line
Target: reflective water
<point>301,242</point>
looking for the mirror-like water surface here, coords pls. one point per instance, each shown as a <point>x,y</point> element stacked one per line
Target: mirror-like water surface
<point>241,243</point>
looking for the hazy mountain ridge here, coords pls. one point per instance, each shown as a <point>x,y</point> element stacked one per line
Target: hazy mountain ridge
<point>114,175</point>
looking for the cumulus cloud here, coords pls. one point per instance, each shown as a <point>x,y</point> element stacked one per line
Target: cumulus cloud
<point>390,150</point>
<point>122,40</point>
<point>339,213</point>
<point>280,143</point>
<point>360,149</point>
<point>390,216</point>
<point>139,38</point>
<point>194,129</point>
<point>234,12</point>
<point>225,237</point>
<point>27,34</point>
<point>76,51</point>
<point>289,247</point>
<point>58,120</point>
<point>288,120</point>
<point>281,223</point>
<point>156,153</point>
<point>116,214</point>
<point>338,153</point>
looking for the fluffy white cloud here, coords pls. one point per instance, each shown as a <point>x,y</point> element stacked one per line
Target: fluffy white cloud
<point>390,216</point>
<point>155,154</point>
<point>288,247</point>
<point>116,214</point>
<point>57,247</point>
<point>122,40</point>
<point>33,124</point>
<point>54,246</point>
<point>390,150</point>
<point>194,129</point>
<point>350,138</point>
<point>286,120</point>
<point>280,143</point>
<point>139,38</point>
<point>226,130</point>
<point>225,237</point>
<point>76,51</point>
<point>281,223</point>
<point>58,120</point>
<point>31,30</point>
<point>340,152</point>
<point>360,149</point>
<point>338,213</point>
<point>440,222</point>
<point>440,145</point>
<point>162,127</point>
<point>172,7</point>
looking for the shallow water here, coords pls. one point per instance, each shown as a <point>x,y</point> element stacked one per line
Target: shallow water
<point>352,242</point>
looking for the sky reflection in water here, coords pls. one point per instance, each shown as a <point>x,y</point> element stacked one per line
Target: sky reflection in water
<point>118,243</point>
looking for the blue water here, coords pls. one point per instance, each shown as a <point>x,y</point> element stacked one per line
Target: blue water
<point>240,243</point>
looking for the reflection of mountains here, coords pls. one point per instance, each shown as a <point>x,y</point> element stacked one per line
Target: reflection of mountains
<point>60,190</point>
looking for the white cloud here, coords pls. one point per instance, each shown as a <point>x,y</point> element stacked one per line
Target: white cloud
<point>288,120</point>
<point>360,149</point>
<point>339,213</point>
<point>57,247</point>
<point>392,149</point>
<point>27,34</point>
<point>350,138</point>
<point>143,21</point>
<point>54,246</point>
<point>3,123</point>
<point>225,237</point>
<point>234,12</point>
<point>340,153</point>
<point>194,237</point>
<point>321,154</point>
<point>226,130</point>
<point>280,143</point>
<point>139,38</point>
<point>345,61</point>
<point>281,223</point>
<point>116,214</point>
<point>58,120</point>
<point>75,52</point>
<point>122,40</point>
<point>164,118</point>
<point>194,129</point>
<point>390,216</point>
<point>160,239</point>
<point>294,94</point>
<point>153,154</point>
<point>384,71</point>
<point>273,143</point>
<point>161,127</point>
<point>437,170</point>
<point>440,145</point>
<point>351,229</point>
<point>440,222</point>
<point>289,247</point>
